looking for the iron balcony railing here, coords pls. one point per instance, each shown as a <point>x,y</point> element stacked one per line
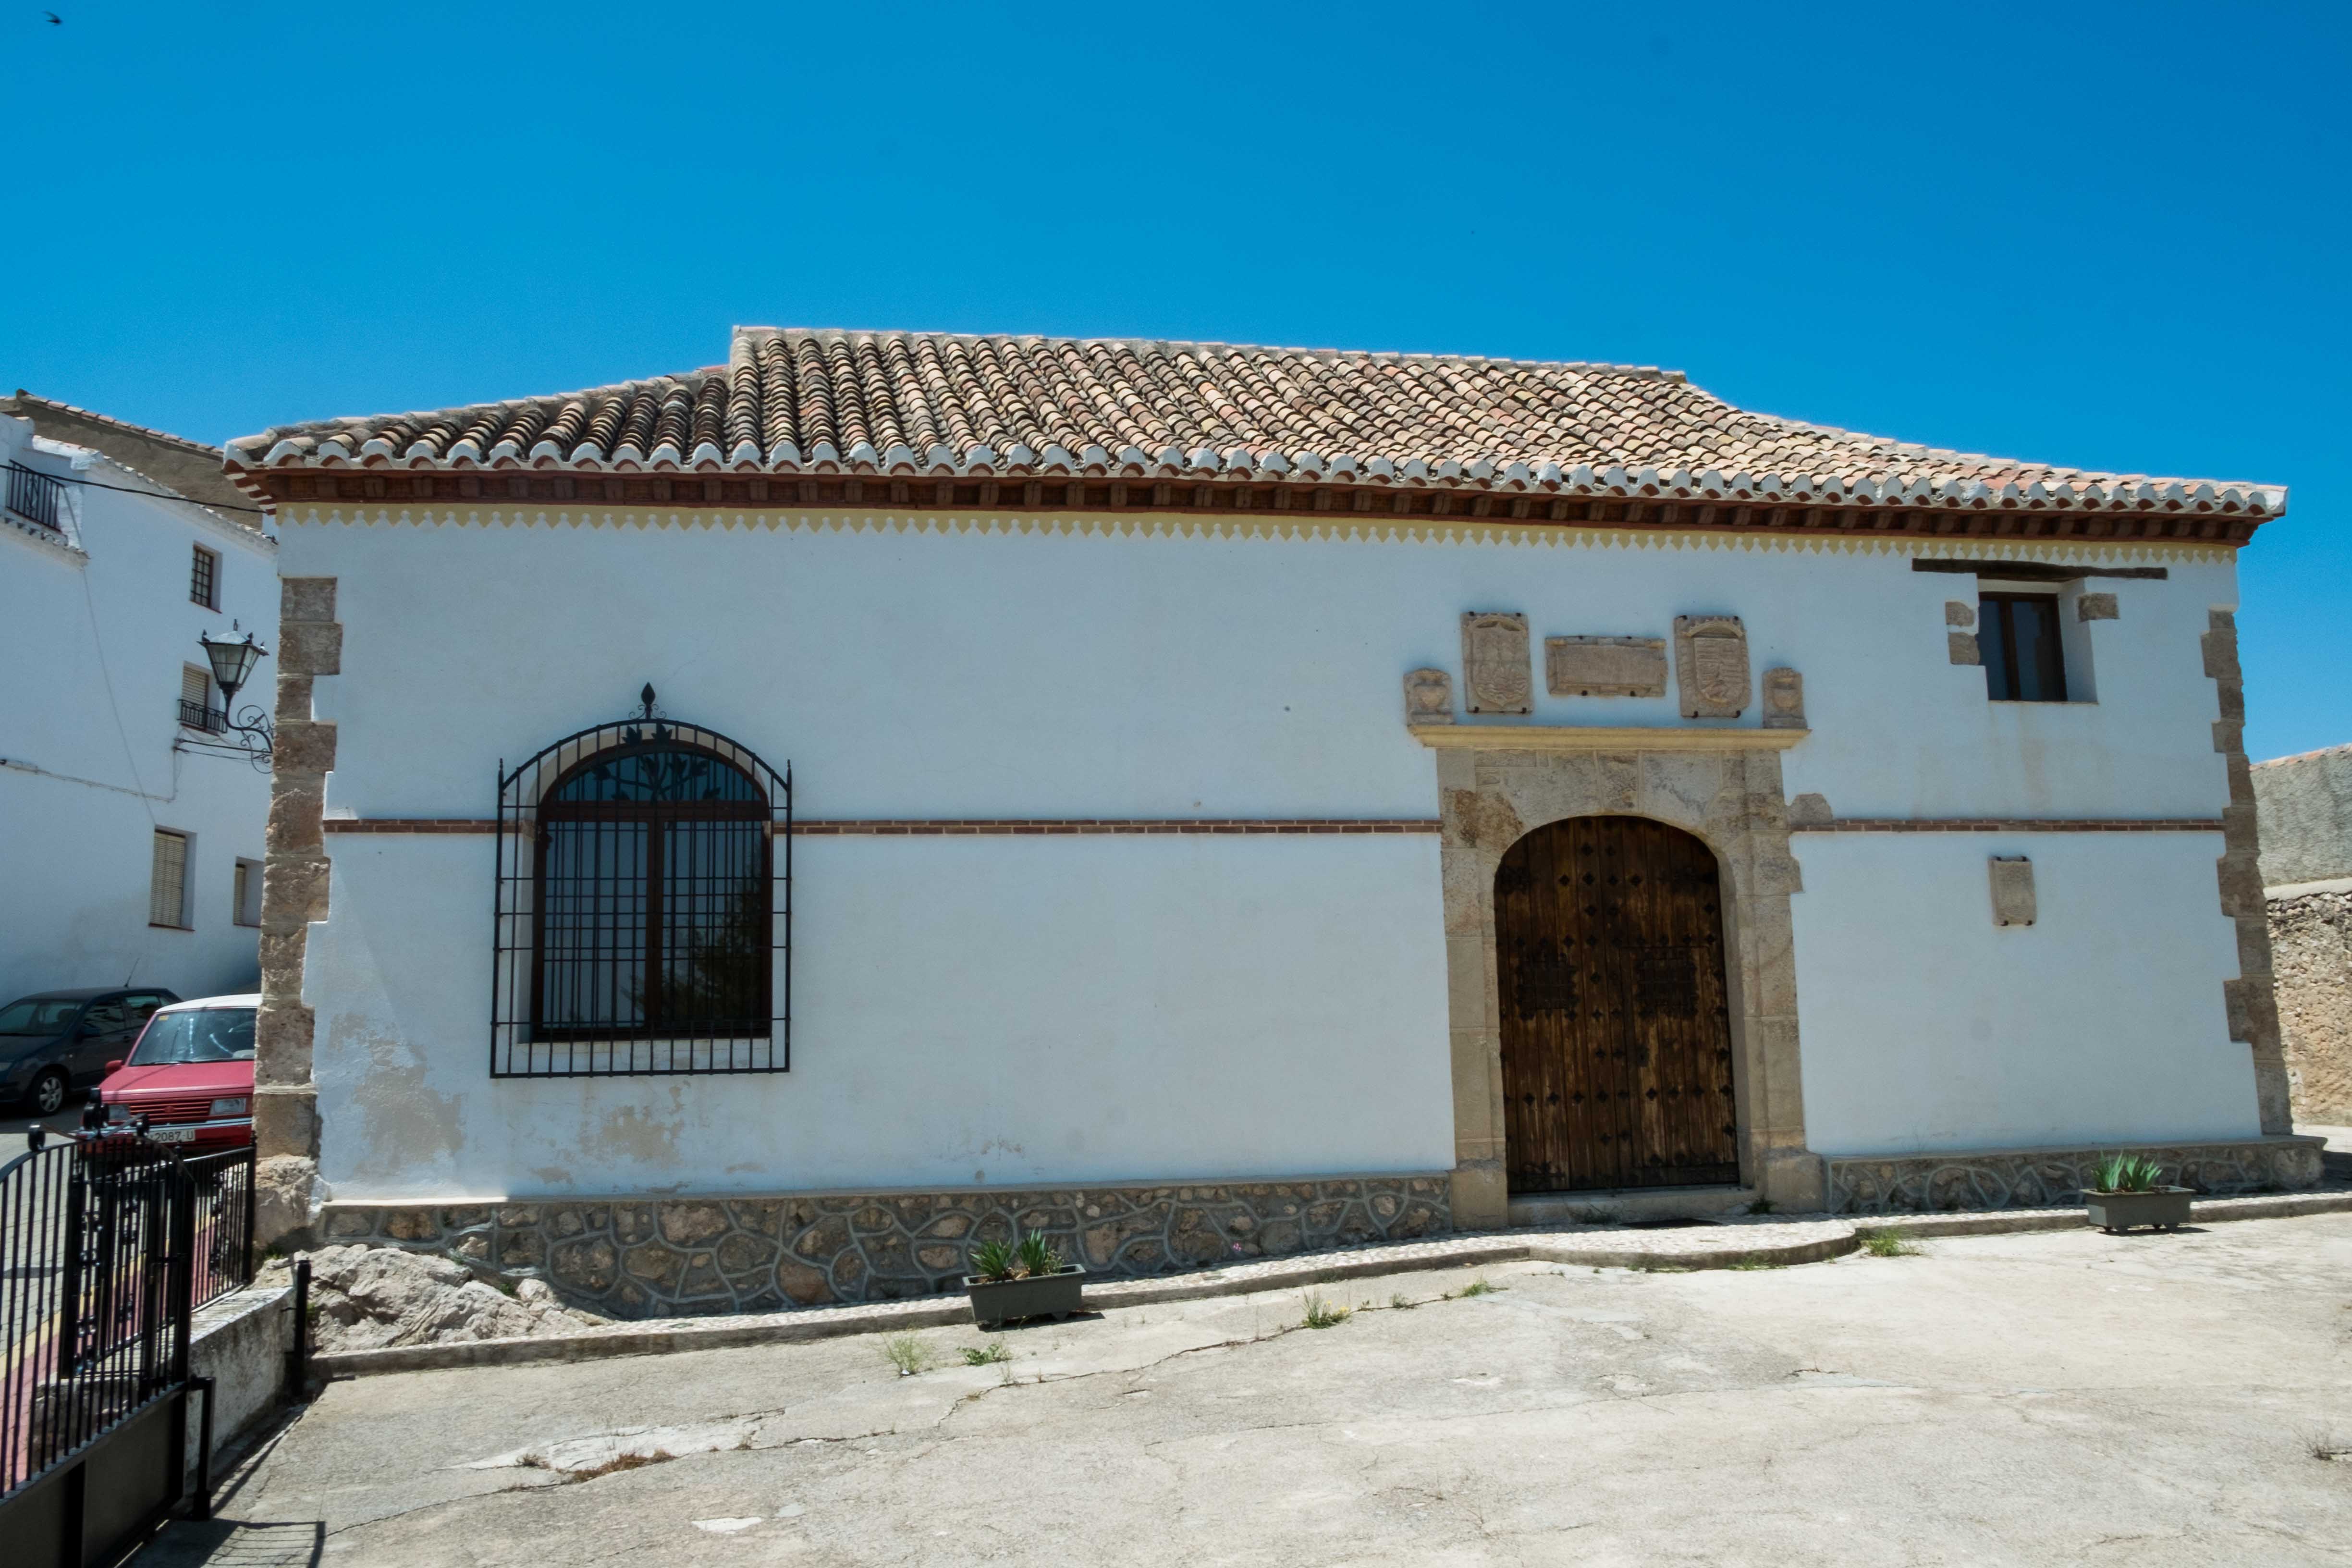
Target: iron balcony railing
<point>203,716</point>
<point>37,498</point>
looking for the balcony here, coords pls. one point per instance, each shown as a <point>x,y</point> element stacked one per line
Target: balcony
<point>36,498</point>
<point>203,716</point>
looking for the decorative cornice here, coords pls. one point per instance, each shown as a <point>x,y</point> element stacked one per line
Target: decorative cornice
<point>1600,738</point>
<point>1373,529</point>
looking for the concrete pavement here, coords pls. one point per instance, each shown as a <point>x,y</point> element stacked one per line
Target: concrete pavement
<point>2045,1397</point>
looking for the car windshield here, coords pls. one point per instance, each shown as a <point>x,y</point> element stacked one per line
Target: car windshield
<point>199,1035</point>
<point>37,1015</point>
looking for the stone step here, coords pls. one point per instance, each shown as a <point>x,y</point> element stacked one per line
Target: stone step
<point>1627,1206</point>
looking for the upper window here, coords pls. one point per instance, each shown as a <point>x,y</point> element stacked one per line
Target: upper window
<point>248,893</point>
<point>2017,635</point>
<point>197,710</point>
<point>203,580</point>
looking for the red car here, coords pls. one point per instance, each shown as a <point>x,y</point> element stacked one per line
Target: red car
<point>191,1075</point>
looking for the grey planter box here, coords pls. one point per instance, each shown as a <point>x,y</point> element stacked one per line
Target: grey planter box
<point>1054,1295</point>
<point>2165,1207</point>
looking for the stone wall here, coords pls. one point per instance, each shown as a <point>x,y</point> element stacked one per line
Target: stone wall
<point>2033,1178</point>
<point>685,1256</point>
<point>2311,956</point>
<point>2305,805</point>
<point>2248,1002</point>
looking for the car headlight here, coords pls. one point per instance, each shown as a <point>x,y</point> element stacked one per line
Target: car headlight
<point>116,1112</point>
<point>229,1106</point>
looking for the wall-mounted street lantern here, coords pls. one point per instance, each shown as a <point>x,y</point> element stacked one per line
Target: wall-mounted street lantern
<point>233,659</point>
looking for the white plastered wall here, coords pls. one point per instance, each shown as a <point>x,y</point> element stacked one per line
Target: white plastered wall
<point>1025,1010</point>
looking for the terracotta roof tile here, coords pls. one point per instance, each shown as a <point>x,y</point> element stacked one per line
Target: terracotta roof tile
<point>930,404</point>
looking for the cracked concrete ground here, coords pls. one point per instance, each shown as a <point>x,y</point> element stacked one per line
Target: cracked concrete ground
<point>2058,1397</point>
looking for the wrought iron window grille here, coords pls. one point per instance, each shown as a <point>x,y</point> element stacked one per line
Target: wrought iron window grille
<point>644,906</point>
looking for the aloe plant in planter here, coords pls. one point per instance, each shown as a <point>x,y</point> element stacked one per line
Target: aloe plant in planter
<point>2128,1190</point>
<point>1024,1279</point>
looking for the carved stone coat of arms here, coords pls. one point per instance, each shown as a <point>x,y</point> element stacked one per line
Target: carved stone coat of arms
<point>1711,666</point>
<point>1497,671</point>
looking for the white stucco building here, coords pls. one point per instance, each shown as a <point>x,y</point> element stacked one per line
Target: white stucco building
<point>1239,799</point>
<point>130,838</point>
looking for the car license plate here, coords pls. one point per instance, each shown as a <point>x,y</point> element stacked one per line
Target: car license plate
<point>171,1135</point>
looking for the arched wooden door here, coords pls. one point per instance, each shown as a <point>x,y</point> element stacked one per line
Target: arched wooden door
<point>1616,1027</point>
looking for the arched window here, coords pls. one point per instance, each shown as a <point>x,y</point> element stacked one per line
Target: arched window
<point>642,920</point>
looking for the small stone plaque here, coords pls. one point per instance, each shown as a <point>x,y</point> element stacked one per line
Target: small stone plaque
<point>1784,699</point>
<point>2012,891</point>
<point>1957,613</point>
<point>1962,647</point>
<point>1428,697</point>
<point>2097,607</point>
<point>1497,671</point>
<point>1711,666</point>
<point>1605,667</point>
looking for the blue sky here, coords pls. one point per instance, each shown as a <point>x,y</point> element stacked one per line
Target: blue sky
<point>2104,236</point>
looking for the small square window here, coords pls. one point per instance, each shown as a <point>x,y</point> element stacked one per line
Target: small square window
<point>2018,639</point>
<point>249,893</point>
<point>167,894</point>
<point>203,580</point>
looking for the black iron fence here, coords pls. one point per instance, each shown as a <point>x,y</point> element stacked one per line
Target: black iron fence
<point>108,1245</point>
<point>203,716</point>
<point>35,497</point>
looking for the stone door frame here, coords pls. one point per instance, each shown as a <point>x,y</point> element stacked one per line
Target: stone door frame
<point>1496,783</point>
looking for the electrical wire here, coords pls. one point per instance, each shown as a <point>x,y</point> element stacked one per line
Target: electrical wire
<point>150,495</point>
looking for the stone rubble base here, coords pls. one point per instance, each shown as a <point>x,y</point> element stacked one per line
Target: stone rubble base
<point>659,1258</point>
<point>1722,1244</point>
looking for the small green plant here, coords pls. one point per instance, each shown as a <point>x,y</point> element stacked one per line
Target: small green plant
<point>1761,1205</point>
<point>994,1261</point>
<point>1037,1256</point>
<point>1322,1313</point>
<point>2127,1174</point>
<point>908,1353</point>
<point>1478,1287</point>
<point>1402,1302</point>
<point>1753,1261</point>
<point>1888,1244</point>
<point>986,1355</point>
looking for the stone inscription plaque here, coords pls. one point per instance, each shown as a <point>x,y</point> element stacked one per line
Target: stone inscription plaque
<point>1498,671</point>
<point>2012,891</point>
<point>1711,666</point>
<point>1605,667</point>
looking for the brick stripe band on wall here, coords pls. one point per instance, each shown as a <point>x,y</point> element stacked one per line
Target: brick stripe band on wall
<point>2014,825</point>
<point>968,827</point>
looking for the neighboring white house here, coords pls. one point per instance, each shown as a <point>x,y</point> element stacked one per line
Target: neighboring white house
<point>1239,800</point>
<point>130,837</point>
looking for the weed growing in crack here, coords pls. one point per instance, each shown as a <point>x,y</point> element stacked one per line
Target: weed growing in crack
<point>986,1355</point>
<point>1479,1286</point>
<point>1761,1205</point>
<point>1402,1302</point>
<point>1324,1314</point>
<point>2325,1446</point>
<point>1888,1244</point>
<point>1753,1261</point>
<point>908,1353</point>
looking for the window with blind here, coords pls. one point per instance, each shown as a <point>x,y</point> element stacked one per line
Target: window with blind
<point>249,893</point>
<point>167,896</point>
<point>203,580</point>
<point>197,710</point>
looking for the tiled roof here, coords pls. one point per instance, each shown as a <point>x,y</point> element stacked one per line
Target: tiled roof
<point>928,405</point>
<point>188,466</point>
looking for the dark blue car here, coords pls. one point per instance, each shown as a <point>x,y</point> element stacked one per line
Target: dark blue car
<point>53,1042</point>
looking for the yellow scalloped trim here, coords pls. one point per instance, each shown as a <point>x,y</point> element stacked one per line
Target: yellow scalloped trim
<point>1339,527</point>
